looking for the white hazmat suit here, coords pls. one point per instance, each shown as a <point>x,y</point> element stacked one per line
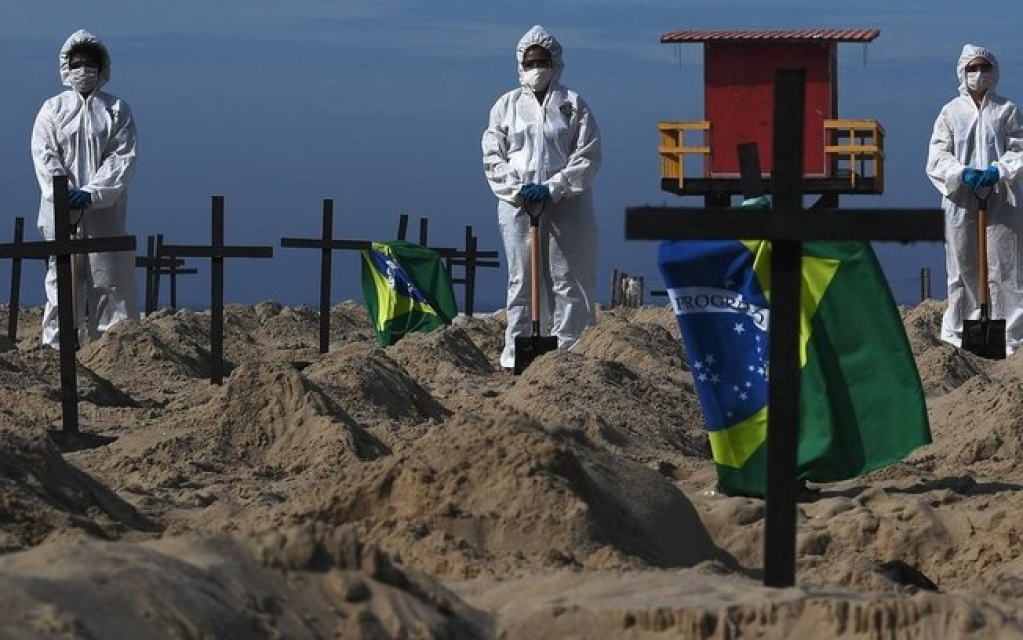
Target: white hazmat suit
<point>968,136</point>
<point>92,140</point>
<point>556,144</point>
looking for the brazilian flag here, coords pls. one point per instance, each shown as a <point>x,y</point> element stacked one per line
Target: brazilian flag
<point>406,288</point>
<point>861,402</point>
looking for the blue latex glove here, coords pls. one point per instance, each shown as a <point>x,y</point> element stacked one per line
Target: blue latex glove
<point>971,178</point>
<point>533,192</point>
<point>989,177</point>
<point>79,199</point>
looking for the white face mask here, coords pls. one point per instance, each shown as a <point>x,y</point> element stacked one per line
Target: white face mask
<point>979,80</point>
<point>537,79</point>
<point>83,79</point>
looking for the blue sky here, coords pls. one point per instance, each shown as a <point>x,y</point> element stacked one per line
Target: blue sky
<point>380,105</point>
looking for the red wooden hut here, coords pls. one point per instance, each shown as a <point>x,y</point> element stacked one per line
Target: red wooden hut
<point>840,155</point>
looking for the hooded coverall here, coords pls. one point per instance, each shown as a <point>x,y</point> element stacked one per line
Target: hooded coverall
<point>970,136</point>
<point>92,140</point>
<point>555,143</point>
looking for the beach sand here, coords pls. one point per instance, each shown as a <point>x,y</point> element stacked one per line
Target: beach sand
<point>419,491</point>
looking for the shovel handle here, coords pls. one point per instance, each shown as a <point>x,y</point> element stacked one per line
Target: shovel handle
<point>534,265</point>
<point>534,272</point>
<point>982,290</point>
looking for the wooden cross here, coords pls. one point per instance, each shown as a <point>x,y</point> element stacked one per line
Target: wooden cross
<point>216,251</point>
<point>326,244</point>
<point>157,263</point>
<point>171,266</point>
<point>471,259</point>
<point>14,303</point>
<point>63,247</point>
<point>787,225</point>
<point>470,262</point>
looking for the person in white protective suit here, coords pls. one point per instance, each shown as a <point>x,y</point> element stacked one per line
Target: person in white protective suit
<point>541,149</point>
<point>976,148</point>
<point>89,136</point>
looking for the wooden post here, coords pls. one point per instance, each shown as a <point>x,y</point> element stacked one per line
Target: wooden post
<point>326,244</point>
<point>62,248</point>
<point>156,264</point>
<point>613,298</point>
<point>326,232</point>
<point>173,268</point>
<point>402,226</point>
<point>783,382</point>
<point>217,251</point>
<point>470,271</point>
<point>470,260</point>
<point>14,305</point>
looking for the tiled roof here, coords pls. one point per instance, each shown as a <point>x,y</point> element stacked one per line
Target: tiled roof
<point>772,35</point>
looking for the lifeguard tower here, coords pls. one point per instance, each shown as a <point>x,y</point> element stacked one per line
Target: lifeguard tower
<point>841,156</point>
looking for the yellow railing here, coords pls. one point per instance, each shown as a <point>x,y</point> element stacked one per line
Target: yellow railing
<point>674,147</point>
<point>856,148</point>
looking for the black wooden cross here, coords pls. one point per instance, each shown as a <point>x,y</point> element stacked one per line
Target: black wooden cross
<point>157,263</point>
<point>326,244</point>
<point>787,224</point>
<point>174,270</point>
<point>216,251</point>
<point>63,248</point>
<point>14,303</point>
<point>471,259</point>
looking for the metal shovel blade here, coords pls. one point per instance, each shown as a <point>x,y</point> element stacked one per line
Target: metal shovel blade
<point>529,348</point>
<point>985,338</point>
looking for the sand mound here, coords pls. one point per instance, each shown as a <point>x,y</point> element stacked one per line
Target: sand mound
<point>496,486</point>
<point>640,343</point>
<point>35,395</point>
<point>942,367</point>
<point>289,585</point>
<point>612,404</point>
<point>43,497</point>
<point>265,419</point>
<point>990,446</point>
<point>447,354</point>
<point>376,391</point>
<point>167,344</point>
<point>449,364</point>
<point>692,604</point>
<point>487,333</point>
<point>270,414</point>
<point>37,374</point>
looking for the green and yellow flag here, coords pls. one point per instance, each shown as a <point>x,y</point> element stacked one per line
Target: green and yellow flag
<point>406,288</point>
<point>861,404</point>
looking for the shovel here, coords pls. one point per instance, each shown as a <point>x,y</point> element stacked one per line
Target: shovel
<point>984,337</point>
<point>529,348</point>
